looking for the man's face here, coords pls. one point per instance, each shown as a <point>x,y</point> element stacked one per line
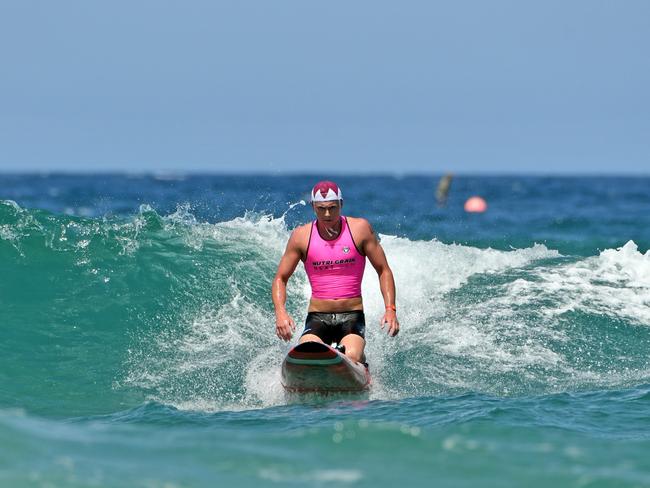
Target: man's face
<point>328,212</point>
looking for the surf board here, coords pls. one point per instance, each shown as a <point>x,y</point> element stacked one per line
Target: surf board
<point>319,368</point>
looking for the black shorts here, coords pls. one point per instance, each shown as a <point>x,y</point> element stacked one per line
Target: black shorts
<point>332,327</point>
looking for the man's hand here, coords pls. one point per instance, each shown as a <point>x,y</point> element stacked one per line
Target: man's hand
<point>390,318</point>
<point>284,326</point>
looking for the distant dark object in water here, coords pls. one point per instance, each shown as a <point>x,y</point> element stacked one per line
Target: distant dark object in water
<point>443,189</point>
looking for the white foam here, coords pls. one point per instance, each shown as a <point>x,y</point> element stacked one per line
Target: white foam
<point>512,334</point>
<point>616,283</point>
<point>187,367</point>
<point>435,326</point>
<point>223,356</point>
<point>24,223</point>
<point>424,269</point>
<point>472,319</point>
<point>340,476</point>
<point>262,380</point>
<point>7,233</point>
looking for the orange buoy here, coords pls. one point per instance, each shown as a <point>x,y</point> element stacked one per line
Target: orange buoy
<point>475,205</point>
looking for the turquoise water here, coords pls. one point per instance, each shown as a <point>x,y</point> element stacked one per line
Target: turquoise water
<point>139,349</point>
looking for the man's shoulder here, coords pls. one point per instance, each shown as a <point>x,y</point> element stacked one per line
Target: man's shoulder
<point>359,224</point>
<point>300,235</point>
<point>360,228</point>
<point>302,229</point>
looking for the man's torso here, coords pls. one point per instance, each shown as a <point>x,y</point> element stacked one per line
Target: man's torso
<point>333,305</point>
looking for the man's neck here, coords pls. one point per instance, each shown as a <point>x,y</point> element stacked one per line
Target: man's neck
<point>331,233</point>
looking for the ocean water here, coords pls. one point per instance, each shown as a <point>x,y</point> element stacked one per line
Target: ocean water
<point>138,344</point>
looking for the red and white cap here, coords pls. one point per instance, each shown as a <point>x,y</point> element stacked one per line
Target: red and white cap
<point>326,191</point>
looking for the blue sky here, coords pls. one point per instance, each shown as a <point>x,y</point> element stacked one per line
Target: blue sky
<point>362,86</point>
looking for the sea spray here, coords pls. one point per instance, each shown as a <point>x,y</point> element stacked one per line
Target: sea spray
<point>186,308</point>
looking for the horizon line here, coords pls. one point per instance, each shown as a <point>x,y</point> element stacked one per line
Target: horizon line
<point>173,174</point>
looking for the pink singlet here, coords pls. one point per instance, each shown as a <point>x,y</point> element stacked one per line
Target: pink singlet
<point>334,268</point>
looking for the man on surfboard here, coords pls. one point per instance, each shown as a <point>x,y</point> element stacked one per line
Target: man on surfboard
<point>333,249</point>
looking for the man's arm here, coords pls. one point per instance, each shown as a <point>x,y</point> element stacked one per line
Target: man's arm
<point>284,324</point>
<point>371,248</point>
